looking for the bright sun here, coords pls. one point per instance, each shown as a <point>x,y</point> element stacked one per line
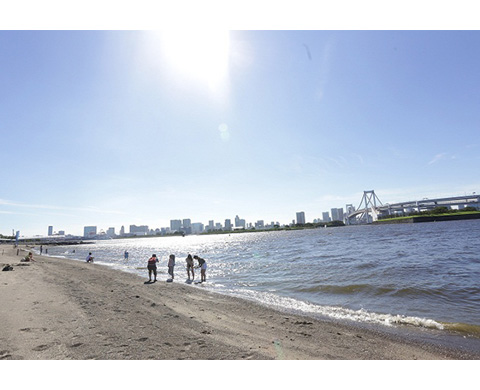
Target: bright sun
<point>199,55</point>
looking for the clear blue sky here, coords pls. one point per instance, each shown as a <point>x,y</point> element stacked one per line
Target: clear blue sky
<point>113,128</point>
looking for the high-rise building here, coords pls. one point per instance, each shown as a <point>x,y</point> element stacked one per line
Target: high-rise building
<point>197,228</point>
<point>111,232</point>
<point>50,230</point>
<point>260,224</point>
<point>175,225</point>
<point>211,225</point>
<point>187,226</point>
<point>325,217</point>
<point>122,230</point>
<point>301,218</point>
<point>334,214</point>
<point>337,214</point>
<point>89,231</point>
<point>239,223</point>
<point>139,230</point>
<point>228,224</point>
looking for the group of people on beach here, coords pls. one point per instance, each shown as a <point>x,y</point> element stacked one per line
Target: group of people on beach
<point>152,267</point>
<point>202,264</point>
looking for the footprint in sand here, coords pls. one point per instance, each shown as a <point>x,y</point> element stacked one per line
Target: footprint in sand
<point>42,347</point>
<point>5,354</point>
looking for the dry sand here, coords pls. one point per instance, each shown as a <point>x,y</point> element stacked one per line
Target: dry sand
<point>67,310</point>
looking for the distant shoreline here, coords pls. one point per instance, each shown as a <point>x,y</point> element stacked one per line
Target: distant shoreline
<point>430,218</point>
<point>78,241</point>
<point>407,219</point>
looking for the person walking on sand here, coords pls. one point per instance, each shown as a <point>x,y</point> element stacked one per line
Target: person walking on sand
<point>89,258</point>
<point>171,264</point>
<point>203,268</point>
<point>152,268</point>
<point>189,261</point>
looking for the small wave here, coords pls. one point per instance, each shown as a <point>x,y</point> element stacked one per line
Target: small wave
<point>334,311</point>
<point>407,292</point>
<point>464,329</point>
<point>347,289</point>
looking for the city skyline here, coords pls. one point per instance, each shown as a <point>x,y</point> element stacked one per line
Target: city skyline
<point>139,126</point>
<point>181,224</point>
<point>186,226</point>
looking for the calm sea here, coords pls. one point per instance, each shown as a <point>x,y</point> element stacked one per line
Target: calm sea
<point>422,275</point>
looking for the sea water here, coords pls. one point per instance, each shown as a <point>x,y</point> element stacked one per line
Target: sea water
<point>423,275</point>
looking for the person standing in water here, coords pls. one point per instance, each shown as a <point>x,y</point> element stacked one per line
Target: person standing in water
<point>189,261</point>
<point>171,264</point>
<point>203,268</point>
<point>152,268</point>
<point>125,255</point>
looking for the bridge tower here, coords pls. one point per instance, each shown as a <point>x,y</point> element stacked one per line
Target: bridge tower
<point>367,210</point>
<point>350,209</point>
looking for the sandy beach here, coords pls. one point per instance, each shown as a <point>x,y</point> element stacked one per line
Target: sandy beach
<point>57,309</point>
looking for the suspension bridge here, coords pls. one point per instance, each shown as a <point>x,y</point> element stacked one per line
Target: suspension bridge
<point>371,207</point>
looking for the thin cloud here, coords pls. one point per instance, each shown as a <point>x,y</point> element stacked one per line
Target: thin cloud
<point>441,157</point>
<point>9,203</point>
<point>360,158</point>
<point>340,161</point>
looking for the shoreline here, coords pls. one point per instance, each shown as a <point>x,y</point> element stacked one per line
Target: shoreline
<point>58,309</point>
<point>429,218</point>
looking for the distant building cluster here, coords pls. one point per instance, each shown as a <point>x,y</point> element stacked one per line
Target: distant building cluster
<point>51,233</point>
<point>186,227</point>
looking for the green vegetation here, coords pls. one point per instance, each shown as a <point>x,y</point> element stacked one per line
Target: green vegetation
<point>436,212</point>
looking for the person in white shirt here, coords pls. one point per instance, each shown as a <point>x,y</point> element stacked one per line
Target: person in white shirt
<point>89,258</point>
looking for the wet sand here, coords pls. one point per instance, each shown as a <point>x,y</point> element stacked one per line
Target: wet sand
<point>58,309</point>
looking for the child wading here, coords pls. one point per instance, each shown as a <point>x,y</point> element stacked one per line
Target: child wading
<point>189,261</point>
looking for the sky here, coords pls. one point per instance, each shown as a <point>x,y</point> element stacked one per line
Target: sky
<point>118,127</point>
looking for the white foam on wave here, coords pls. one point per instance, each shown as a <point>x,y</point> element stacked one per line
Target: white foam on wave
<point>335,312</point>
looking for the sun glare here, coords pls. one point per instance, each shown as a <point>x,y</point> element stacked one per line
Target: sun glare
<point>199,55</point>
